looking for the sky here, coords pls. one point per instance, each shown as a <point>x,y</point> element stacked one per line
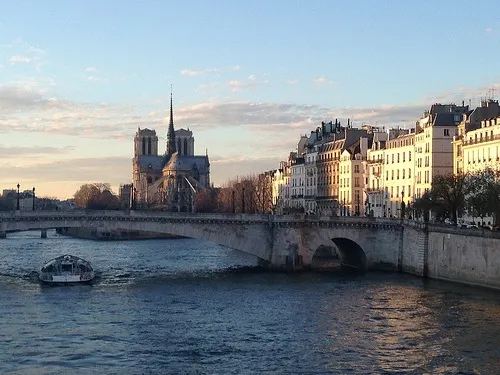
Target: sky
<point>78,78</point>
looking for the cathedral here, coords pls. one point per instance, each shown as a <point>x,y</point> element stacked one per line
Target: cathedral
<point>168,181</point>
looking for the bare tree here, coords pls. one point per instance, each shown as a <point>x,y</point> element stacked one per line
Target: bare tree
<point>449,193</point>
<point>484,194</point>
<point>89,192</point>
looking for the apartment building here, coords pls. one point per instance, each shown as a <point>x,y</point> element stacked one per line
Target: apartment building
<point>328,201</point>
<point>311,178</point>
<point>297,179</point>
<point>399,166</point>
<point>352,178</point>
<point>434,134</point>
<point>475,146</point>
<point>374,175</point>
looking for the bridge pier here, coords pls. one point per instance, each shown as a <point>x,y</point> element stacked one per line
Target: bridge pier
<point>3,234</point>
<point>43,233</point>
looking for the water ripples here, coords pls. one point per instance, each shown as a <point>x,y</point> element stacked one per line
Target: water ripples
<point>186,307</point>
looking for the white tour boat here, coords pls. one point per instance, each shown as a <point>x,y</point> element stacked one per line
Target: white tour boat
<point>66,269</point>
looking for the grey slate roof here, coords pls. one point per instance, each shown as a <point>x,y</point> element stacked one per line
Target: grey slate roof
<point>155,161</point>
<point>183,162</point>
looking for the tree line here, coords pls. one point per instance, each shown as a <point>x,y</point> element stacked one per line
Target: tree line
<point>248,194</point>
<point>453,195</point>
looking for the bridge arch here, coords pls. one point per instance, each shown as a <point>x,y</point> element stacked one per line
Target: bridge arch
<point>351,253</point>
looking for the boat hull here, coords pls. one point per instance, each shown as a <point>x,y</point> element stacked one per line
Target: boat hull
<point>70,279</point>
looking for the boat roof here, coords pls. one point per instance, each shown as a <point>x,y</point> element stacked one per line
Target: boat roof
<point>66,258</point>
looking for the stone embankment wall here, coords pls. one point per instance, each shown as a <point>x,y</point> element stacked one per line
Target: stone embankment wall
<point>468,256</point>
<point>460,256</point>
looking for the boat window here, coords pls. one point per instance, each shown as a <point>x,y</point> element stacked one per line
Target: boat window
<point>66,267</point>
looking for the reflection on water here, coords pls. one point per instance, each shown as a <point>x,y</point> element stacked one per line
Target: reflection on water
<point>188,307</point>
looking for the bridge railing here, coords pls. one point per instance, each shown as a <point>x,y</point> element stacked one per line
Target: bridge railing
<point>128,214</point>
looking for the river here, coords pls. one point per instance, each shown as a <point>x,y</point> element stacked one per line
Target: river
<point>189,307</point>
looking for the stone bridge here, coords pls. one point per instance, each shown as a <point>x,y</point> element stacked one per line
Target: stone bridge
<point>470,256</point>
<point>279,241</point>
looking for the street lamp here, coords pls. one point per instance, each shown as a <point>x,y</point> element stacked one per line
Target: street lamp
<point>134,192</point>
<point>243,200</point>
<point>33,198</point>
<point>402,204</point>
<point>18,196</point>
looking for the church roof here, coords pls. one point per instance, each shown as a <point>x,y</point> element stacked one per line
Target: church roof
<point>153,162</point>
<point>186,163</point>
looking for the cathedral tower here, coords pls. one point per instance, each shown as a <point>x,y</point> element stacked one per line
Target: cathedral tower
<point>145,142</point>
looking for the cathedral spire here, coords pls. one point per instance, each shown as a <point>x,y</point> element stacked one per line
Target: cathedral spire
<point>171,132</point>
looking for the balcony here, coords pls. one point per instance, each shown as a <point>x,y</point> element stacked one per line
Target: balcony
<point>481,140</point>
<point>375,161</point>
<point>326,198</point>
<point>374,191</point>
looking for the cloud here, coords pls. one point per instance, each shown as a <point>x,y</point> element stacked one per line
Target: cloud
<point>74,169</point>
<point>293,81</point>
<point>225,168</point>
<point>489,30</point>
<point>321,81</point>
<point>92,78</point>
<point>14,152</point>
<point>194,73</point>
<point>91,69</point>
<point>69,175</point>
<point>19,59</point>
<point>236,85</point>
<point>24,53</point>
<point>27,108</point>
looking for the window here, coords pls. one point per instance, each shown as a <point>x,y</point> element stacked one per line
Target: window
<point>446,132</point>
<point>409,155</point>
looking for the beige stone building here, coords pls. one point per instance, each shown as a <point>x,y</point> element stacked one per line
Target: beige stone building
<point>352,178</point>
<point>434,134</point>
<point>476,145</point>
<point>374,175</point>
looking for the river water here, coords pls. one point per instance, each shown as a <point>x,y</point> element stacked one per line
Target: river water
<point>189,307</point>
